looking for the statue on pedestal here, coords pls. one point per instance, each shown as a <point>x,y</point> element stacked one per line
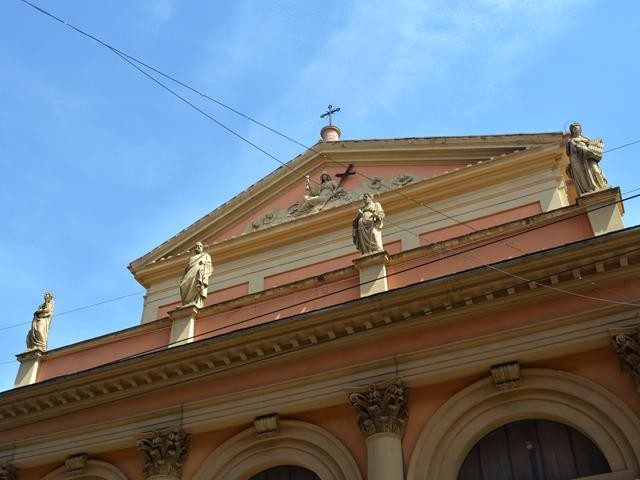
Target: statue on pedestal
<point>584,161</point>
<point>39,333</point>
<point>367,226</point>
<point>195,280</point>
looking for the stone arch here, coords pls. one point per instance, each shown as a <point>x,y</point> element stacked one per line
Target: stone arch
<point>295,443</point>
<point>94,470</point>
<point>545,394</point>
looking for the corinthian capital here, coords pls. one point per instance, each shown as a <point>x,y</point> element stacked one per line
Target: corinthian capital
<point>381,408</point>
<point>164,453</point>
<point>626,343</point>
<point>8,471</point>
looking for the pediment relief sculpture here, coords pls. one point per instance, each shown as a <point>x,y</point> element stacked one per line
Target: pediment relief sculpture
<point>318,197</point>
<point>328,193</point>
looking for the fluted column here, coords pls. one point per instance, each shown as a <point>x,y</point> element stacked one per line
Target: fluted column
<point>164,453</point>
<point>8,471</point>
<point>382,415</point>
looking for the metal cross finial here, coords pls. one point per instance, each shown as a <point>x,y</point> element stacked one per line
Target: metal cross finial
<point>330,111</point>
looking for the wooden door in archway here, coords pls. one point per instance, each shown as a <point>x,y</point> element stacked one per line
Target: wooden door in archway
<point>286,472</point>
<point>533,450</point>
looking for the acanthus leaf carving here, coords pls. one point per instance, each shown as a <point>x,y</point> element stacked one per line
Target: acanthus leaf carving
<point>626,343</point>
<point>164,452</point>
<point>8,471</point>
<point>381,408</point>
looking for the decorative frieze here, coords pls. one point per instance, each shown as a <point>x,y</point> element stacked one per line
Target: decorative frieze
<point>626,343</point>
<point>164,453</point>
<point>506,375</point>
<point>267,425</point>
<point>8,471</point>
<point>381,408</point>
<point>76,464</point>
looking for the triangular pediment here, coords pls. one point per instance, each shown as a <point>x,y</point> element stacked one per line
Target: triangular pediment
<point>377,166</point>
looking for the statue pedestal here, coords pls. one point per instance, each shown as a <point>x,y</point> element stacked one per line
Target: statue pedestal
<point>29,365</point>
<point>605,215</point>
<point>384,457</point>
<point>183,325</point>
<point>373,272</point>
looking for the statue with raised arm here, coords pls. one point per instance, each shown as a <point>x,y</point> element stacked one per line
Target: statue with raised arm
<point>39,333</point>
<point>195,280</point>
<point>584,161</point>
<point>328,191</point>
<point>367,226</point>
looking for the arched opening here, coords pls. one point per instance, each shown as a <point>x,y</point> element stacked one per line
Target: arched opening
<point>286,472</point>
<point>552,395</point>
<point>533,450</point>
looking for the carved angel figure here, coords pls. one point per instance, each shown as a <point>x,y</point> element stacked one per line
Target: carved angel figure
<point>584,161</point>
<point>39,333</point>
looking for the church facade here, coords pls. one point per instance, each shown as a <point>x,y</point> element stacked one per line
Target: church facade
<point>421,308</point>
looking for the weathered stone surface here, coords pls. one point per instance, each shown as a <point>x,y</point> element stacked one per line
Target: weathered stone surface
<point>627,346</point>
<point>506,375</point>
<point>8,471</point>
<point>39,334</point>
<point>267,425</point>
<point>195,279</point>
<point>367,226</point>
<point>164,452</point>
<point>381,408</point>
<point>584,157</point>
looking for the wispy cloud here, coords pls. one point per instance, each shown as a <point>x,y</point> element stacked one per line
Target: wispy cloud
<point>160,10</point>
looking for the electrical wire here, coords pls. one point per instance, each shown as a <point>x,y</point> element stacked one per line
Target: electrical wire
<point>132,61</point>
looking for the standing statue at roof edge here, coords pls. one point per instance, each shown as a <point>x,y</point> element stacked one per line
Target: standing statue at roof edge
<point>39,333</point>
<point>367,226</point>
<point>584,161</point>
<point>195,280</point>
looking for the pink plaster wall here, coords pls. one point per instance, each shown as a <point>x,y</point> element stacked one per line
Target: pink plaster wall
<point>457,260</point>
<point>303,301</point>
<point>324,295</point>
<point>481,223</point>
<point>319,268</point>
<point>290,197</point>
<point>215,296</point>
<point>396,344</point>
<point>96,355</point>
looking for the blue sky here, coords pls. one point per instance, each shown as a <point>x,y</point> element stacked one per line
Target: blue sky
<point>99,165</point>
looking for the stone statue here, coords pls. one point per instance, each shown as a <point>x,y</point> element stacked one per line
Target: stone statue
<point>367,226</point>
<point>315,200</point>
<point>195,280</point>
<point>39,333</point>
<point>584,161</point>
